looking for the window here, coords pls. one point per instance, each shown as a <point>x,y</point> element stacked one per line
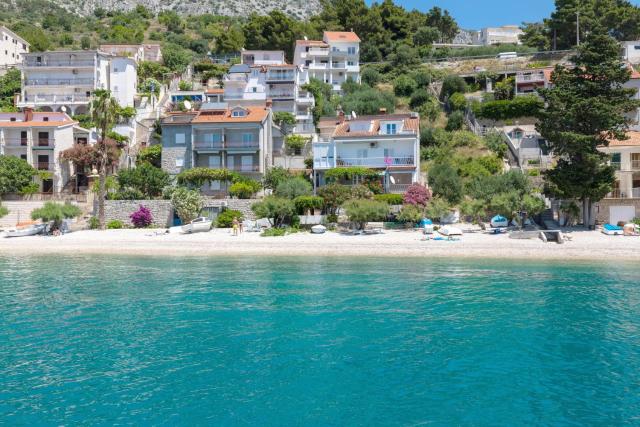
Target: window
<point>255,89</point>
<point>237,113</point>
<point>246,163</point>
<point>247,138</point>
<point>636,47</point>
<point>45,119</point>
<point>392,128</point>
<point>179,138</point>
<point>230,163</point>
<point>214,162</point>
<point>179,161</point>
<point>351,63</point>
<point>351,50</point>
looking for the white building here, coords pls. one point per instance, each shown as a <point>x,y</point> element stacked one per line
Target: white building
<point>12,48</point>
<point>389,144</point>
<point>53,80</point>
<point>264,76</point>
<point>631,51</point>
<point>333,60</point>
<point>39,138</point>
<point>507,34</point>
<point>138,52</point>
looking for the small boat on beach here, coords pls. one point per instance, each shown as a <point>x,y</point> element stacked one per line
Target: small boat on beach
<point>197,225</point>
<point>25,229</point>
<point>318,229</point>
<point>450,231</point>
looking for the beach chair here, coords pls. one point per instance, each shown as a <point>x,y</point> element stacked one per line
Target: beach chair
<point>374,228</point>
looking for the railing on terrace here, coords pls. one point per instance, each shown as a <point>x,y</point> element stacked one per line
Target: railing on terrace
<point>397,188</point>
<point>58,82</point>
<point>281,94</point>
<point>43,143</point>
<point>244,168</point>
<point>534,77</point>
<point>241,144</point>
<point>318,51</point>
<point>281,77</point>
<point>44,166</point>
<point>221,145</point>
<point>58,63</point>
<point>56,98</point>
<point>15,142</point>
<point>377,161</point>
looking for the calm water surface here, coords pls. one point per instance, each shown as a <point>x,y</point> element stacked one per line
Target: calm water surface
<point>103,341</point>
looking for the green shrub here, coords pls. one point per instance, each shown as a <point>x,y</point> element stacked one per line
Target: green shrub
<point>391,199</point>
<point>455,121</point>
<point>404,85</point>
<point>225,219</point>
<point>276,209</point>
<point>419,97</point>
<point>308,203</point>
<point>244,189</point>
<point>187,204</point>
<point>56,212</point>
<point>410,214</point>
<point>294,187</point>
<point>452,84</point>
<point>458,102</point>
<point>370,76</point>
<point>362,211</point>
<point>502,110</point>
<point>94,223</point>
<point>274,232</point>
<point>274,176</point>
<point>115,224</point>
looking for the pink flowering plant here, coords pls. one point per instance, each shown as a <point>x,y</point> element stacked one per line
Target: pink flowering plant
<point>141,218</point>
<point>416,195</point>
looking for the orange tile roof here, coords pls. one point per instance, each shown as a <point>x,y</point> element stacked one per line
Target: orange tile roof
<point>35,124</point>
<point>634,74</point>
<point>633,140</point>
<point>341,36</point>
<point>56,119</point>
<point>254,115</point>
<point>214,90</point>
<point>411,124</point>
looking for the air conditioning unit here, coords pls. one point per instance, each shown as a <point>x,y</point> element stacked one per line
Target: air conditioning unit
<point>373,144</point>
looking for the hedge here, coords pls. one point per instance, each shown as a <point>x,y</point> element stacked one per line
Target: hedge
<point>521,106</point>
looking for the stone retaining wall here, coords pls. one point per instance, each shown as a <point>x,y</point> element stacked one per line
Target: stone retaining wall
<point>163,212</point>
<point>602,208</point>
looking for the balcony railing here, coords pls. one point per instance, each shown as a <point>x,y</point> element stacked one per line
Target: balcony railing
<point>231,144</point>
<point>635,164</point>
<point>31,62</point>
<point>15,142</point>
<point>281,94</point>
<point>224,145</point>
<point>59,82</point>
<point>208,145</point>
<point>44,166</point>
<point>534,77</point>
<point>281,77</point>
<point>244,168</point>
<point>56,99</point>
<point>319,51</point>
<point>43,143</point>
<point>397,188</point>
<point>377,162</point>
<point>635,193</point>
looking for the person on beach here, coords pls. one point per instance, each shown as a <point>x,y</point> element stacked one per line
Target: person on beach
<point>235,225</point>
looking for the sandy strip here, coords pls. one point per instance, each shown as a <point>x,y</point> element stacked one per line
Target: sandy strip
<point>586,245</point>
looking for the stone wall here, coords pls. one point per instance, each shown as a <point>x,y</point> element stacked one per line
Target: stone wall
<point>602,208</point>
<point>161,211</point>
<point>169,157</point>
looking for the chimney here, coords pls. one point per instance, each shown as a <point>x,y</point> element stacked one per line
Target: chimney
<point>382,111</point>
<point>28,114</point>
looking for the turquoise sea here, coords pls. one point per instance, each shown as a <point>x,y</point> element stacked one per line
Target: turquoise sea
<point>327,342</point>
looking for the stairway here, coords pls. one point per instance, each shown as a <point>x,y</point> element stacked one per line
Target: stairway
<point>19,211</point>
<point>548,220</point>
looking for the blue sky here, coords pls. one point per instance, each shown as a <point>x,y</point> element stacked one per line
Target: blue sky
<point>475,14</point>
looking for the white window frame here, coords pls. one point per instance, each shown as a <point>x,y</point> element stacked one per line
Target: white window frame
<point>180,138</point>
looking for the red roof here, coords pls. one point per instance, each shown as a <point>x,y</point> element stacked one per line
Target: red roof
<point>341,36</point>
<point>633,140</point>
<point>253,114</point>
<point>411,124</point>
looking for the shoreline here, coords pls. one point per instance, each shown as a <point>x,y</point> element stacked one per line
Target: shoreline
<point>585,246</point>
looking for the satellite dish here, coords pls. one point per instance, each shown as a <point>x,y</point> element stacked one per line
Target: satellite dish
<point>63,109</point>
<point>187,105</point>
<point>392,179</point>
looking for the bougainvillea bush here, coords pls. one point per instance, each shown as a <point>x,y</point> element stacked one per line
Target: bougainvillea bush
<point>141,218</point>
<point>416,195</point>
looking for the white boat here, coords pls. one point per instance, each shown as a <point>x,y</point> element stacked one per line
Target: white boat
<point>197,225</point>
<point>30,230</point>
<point>499,221</point>
<point>450,231</point>
<point>318,229</point>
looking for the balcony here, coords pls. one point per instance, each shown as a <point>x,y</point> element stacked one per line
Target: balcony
<point>244,168</point>
<point>277,77</point>
<point>397,188</point>
<point>43,144</point>
<point>281,95</point>
<point>304,98</point>
<point>241,145</point>
<point>315,66</point>
<point>318,52</point>
<point>50,62</point>
<point>59,82</point>
<point>54,99</point>
<point>377,162</point>
<point>44,166</point>
<point>15,142</point>
<point>208,145</point>
<point>615,194</point>
<point>635,165</point>
<point>338,66</point>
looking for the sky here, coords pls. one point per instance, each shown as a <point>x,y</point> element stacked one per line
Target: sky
<point>475,14</point>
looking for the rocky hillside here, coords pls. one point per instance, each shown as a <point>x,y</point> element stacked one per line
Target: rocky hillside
<point>297,8</point>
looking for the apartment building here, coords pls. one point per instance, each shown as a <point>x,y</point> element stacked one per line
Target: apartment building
<point>39,138</point>
<point>623,203</point>
<point>507,34</point>
<point>631,51</point>
<point>265,76</point>
<point>138,52</point>
<point>218,136</point>
<point>388,143</point>
<point>529,81</point>
<point>332,60</point>
<point>65,80</point>
<point>12,48</point>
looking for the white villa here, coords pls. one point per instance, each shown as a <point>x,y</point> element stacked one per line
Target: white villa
<point>39,138</point>
<point>65,80</point>
<point>507,34</point>
<point>12,48</point>
<point>332,60</point>
<point>387,143</point>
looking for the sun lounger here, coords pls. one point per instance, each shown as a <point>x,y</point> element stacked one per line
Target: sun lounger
<point>374,228</point>
<point>612,230</point>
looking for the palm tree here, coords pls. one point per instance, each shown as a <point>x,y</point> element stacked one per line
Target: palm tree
<point>105,113</point>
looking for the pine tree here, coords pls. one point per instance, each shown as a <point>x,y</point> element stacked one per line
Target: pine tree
<point>585,108</point>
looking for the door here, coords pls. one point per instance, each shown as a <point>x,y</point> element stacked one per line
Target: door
<point>47,186</point>
<point>23,138</point>
<point>362,155</point>
<point>43,162</point>
<point>230,163</point>
<point>43,139</point>
<point>621,214</point>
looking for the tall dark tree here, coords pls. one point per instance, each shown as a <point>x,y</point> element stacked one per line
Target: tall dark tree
<point>585,109</point>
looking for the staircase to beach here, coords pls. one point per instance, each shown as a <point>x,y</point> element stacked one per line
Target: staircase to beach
<point>20,211</point>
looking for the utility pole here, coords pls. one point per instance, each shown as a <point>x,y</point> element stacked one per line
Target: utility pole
<point>578,28</point>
